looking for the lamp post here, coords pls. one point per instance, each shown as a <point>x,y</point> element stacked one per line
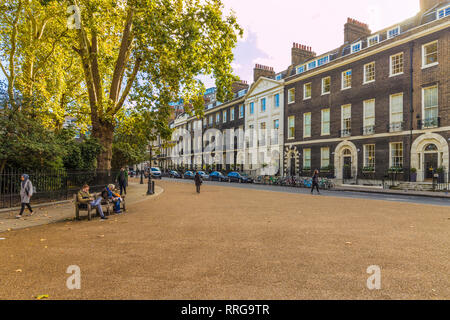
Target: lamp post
<point>142,175</point>
<point>150,190</point>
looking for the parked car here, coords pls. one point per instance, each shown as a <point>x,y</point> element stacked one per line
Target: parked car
<point>218,176</point>
<point>203,175</point>
<point>131,173</point>
<point>174,174</point>
<point>156,173</point>
<point>237,177</point>
<point>188,175</point>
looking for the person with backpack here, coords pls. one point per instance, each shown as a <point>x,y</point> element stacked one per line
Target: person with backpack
<point>26,192</point>
<point>122,179</point>
<point>198,182</point>
<point>315,182</point>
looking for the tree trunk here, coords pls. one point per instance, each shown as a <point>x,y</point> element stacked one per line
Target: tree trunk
<point>104,132</point>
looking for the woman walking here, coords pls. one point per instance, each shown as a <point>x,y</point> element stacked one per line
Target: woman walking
<point>26,192</point>
<point>315,182</point>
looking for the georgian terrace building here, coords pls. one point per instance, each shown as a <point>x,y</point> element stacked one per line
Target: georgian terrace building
<point>377,104</point>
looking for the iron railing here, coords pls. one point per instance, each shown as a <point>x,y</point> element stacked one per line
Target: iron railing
<point>368,130</point>
<point>395,127</point>
<point>56,185</point>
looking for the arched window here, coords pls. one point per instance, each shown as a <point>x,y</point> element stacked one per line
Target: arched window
<point>347,152</point>
<point>431,147</point>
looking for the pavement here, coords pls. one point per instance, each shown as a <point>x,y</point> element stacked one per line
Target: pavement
<point>234,243</point>
<point>62,210</point>
<point>432,194</point>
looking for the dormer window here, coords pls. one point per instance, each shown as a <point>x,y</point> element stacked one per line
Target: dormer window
<point>393,32</point>
<point>356,47</point>
<point>301,69</point>
<point>371,41</point>
<point>278,77</point>
<point>442,13</point>
<point>322,61</point>
<point>312,65</point>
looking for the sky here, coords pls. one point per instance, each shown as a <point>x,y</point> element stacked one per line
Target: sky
<point>271,26</point>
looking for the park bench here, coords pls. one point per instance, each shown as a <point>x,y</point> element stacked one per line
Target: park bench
<point>87,207</point>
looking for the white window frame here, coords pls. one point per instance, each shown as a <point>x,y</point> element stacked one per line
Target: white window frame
<point>342,116</point>
<point>391,66</point>
<point>365,72</point>
<point>342,79</point>
<point>304,91</point>
<point>304,125</point>
<point>390,153</point>
<point>390,107</point>
<point>232,111</point>
<point>364,112</point>
<point>251,108</point>
<point>224,116</point>
<point>329,91</point>
<point>444,9</point>
<point>263,104</point>
<point>355,44</point>
<point>291,94</point>
<point>392,29</point>
<point>322,123</point>
<point>304,157</point>
<point>423,100</point>
<point>377,36</point>
<point>424,65</point>
<point>322,158</point>
<point>289,128</point>
<point>217,117</point>
<point>241,114</point>
<point>365,162</point>
<point>275,100</point>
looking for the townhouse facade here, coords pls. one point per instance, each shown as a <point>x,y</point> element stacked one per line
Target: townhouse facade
<point>379,104</point>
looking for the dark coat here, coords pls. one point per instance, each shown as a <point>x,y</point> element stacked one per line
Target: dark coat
<point>315,178</point>
<point>198,180</point>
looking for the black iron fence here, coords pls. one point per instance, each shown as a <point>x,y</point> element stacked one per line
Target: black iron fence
<point>51,185</point>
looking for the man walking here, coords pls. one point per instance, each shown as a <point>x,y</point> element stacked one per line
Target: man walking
<point>198,182</point>
<point>26,192</point>
<point>122,179</point>
<point>315,182</point>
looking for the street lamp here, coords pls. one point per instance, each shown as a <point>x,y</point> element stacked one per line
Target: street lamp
<point>150,190</point>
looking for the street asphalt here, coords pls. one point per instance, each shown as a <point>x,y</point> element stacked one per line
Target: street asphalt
<point>332,193</point>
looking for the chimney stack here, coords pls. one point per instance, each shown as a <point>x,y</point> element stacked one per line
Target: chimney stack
<point>239,85</point>
<point>301,53</point>
<point>262,71</point>
<point>354,30</point>
<point>428,4</point>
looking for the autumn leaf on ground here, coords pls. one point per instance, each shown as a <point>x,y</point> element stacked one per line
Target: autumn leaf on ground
<point>42,296</point>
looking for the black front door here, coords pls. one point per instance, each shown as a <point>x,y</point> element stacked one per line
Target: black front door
<point>292,173</point>
<point>431,163</point>
<point>347,168</point>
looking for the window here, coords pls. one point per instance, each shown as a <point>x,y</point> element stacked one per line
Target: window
<point>262,134</point>
<point>224,116</point>
<point>326,85</point>
<point>277,100</point>
<point>346,124</point>
<point>232,114</point>
<point>430,54</point>
<point>312,65</point>
<point>371,41</point>
<point>307,125</point>
<point>430,107</point>
<point>396,159</point>
<point>210,120</point>
<point>263,105</point>
<point>291,95</point>
<point>217,117</point>
<point>325,125</point>
<point>396,64</point>
<point>307,91</point>
<point>322,61</point>
<point>241,111</point>
<point>324,157</point>
<point>301,69</point>
<point>393,32</point>
<point>369,72</point>
<point>442,13</point>
<point>396,112</point>
<point>356,47</point>
<point>276,126</point>
<point>278,77</point>
<point>346,79</point>
<point>306,158</point>
<point>369,117</point>
<point>252,107</point>
<point>291,127</point>
<point>369,157</point>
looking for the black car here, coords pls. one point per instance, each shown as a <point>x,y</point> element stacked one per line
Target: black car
<point>218,176</point>
<point>241,178</point>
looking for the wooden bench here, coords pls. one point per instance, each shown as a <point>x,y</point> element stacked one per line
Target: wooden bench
<point>122,204</point>
<point>87,207</point>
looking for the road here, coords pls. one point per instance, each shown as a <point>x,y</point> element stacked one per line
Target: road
<point>234,243</point>
<point>330,193</point>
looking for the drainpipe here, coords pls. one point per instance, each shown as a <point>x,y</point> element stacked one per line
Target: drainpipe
<point>411,91</point>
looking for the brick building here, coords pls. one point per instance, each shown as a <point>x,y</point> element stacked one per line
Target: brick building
<point>376,105</point>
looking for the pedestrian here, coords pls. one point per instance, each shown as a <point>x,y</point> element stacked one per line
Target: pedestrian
<point>113,195</point>
<point>84,197</point>
<point>315,182</point>
<point>198,182</point>
<point>122,179</point>
<point>26,192</point>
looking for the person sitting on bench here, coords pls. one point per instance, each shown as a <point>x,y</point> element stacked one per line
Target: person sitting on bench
<point>84,197</point>
<point>115,197</point>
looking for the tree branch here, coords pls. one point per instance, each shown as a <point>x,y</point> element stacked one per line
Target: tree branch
<point>137,65</point>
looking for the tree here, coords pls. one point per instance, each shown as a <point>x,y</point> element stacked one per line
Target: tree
<point>157,48</point>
